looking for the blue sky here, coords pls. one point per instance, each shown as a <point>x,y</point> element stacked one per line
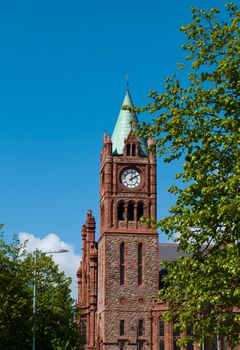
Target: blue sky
<point>62,69</point>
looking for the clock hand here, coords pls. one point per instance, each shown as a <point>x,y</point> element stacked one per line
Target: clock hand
<point>133,177</point>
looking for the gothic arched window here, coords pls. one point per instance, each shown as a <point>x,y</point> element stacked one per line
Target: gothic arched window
<point>122,328</point>
<point>161,334</point>
<point>140,264</point>
<point>140,211</point>
<point>122,262</point>
<point>128,149</point>
<point>133,150</point>
<point>121,212</point>
<point>130,212</point>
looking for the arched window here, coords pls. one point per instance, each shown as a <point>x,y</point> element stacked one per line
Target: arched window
<point>121,212</point>
<point>140,264</point>
<point>122,328</point>
<point>161,334</point>
<point>161,344</point>
<point>133,150</point>
<point>130,212</point>
<point>122,262</point>
<point>139,211</point>
<point>161,328</point>
<point>176,335</point>
<point>128,149</point>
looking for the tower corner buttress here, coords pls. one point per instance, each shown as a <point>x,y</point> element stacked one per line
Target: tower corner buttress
<point>87,281</point>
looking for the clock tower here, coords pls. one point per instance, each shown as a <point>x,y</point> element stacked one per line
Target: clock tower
<point>128,248</point>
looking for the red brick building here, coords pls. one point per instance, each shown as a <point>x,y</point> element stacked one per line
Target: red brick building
<point>118,278</point>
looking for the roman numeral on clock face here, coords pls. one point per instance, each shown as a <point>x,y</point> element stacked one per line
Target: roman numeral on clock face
<point>131,178</point>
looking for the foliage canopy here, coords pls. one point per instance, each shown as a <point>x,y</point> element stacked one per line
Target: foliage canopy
<point>197,118</point>
<point>55,320</point>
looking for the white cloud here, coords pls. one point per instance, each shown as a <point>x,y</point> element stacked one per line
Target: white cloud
<point>68,262</point>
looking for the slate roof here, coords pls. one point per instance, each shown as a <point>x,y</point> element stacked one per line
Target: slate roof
<point>123,127</point>
<point>169,251</point>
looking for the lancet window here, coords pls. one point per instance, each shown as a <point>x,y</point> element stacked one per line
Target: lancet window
<point>121,215</point>
<point>161,334</point>
<point>122,263</point>
<point>130,211</point>
<point>133,150</point>
<point>140,264</point>
<point>122,328</point>
<point>140,209</point>
<point>128,149</point>
<point>176,336</point>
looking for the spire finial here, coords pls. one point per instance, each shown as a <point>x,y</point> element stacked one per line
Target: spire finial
<point>127,82</point>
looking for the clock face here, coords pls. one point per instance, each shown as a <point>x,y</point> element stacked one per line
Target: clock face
<point>131,178</point>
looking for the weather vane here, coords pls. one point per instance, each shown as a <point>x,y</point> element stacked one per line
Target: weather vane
<point>127,81</point>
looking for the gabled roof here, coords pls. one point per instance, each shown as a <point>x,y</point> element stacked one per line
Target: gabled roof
<point>123,127</point>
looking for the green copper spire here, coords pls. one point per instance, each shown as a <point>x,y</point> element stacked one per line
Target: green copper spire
<point>123,128</point>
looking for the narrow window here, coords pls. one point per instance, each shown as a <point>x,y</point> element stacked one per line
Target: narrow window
<point>139,211</point>
<point>161,344</point>
<point>130,212</point>
<point>128,149</point>
<point>133,150</point>
<point>176,335</point>
<point>140,346</point>
<point>161,333</point>
<point>140,265</point>
<point>121,212</point>
<point>140,327</point>
<point>122,327</point>
<point>161,328</point>
<point>122,263</point>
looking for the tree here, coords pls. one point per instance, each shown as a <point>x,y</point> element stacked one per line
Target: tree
<point>54,323</point>
<point>197,119</point>
<point>15,306</point>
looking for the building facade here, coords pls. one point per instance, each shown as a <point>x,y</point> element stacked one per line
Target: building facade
<point>118,278</point>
